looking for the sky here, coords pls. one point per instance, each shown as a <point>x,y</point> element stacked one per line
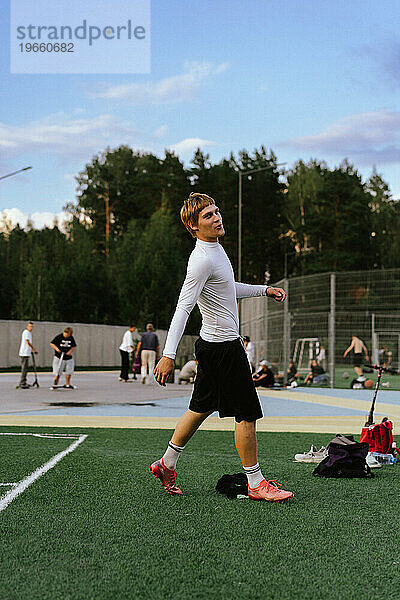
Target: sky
<point>306,78</point>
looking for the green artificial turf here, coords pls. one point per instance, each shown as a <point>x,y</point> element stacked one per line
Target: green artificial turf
<point>99,526</point>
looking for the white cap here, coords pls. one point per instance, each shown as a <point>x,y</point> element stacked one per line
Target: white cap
<point>264,362</point>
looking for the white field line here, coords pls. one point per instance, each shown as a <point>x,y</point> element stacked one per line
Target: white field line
<point>54,436</point>
<point>9,484</point>
<point>25,483</point>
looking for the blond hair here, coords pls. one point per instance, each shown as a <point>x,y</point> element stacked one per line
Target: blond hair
<point>191,209</point>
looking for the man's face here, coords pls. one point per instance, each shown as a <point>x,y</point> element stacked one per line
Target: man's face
<point>65,334</point>
<point>29,327</point>
<point>209,227</point>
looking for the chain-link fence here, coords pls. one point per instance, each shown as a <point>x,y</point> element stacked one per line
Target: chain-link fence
<point>320,316</point>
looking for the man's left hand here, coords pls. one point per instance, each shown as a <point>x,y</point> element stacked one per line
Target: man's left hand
<point>277,294</point>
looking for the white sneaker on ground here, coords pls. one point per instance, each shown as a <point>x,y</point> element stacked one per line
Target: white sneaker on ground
<point>312,456</point>
<point>372,462</point>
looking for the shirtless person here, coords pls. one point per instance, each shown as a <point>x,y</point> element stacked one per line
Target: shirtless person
<point>223,381</point>
<point>358,348</point>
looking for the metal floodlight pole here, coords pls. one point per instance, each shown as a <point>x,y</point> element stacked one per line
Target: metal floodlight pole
<point>15,172</point>
<point>241,173</point>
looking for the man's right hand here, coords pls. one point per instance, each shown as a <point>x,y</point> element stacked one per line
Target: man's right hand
<point>164,369</point>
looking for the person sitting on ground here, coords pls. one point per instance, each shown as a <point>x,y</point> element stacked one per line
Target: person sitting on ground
<point>275,370</point>
<point>188,372</point>
<point>383,357</point>
<point>317,374</point>
<point>264,377</point>
<point>292,373</point>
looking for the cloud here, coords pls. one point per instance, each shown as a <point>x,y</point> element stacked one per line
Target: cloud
<point>174,89</point>
<point>372,137</point>
<point>161,131</point>
<point>40,220</point>
<point>190,145</point>
<point>385,56</point>
<point>70,177</point>
<point>61,135</point>
<point>391,61</point>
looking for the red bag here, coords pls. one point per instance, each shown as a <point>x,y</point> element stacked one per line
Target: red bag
<point>136,365</point>
<point>379,437</point>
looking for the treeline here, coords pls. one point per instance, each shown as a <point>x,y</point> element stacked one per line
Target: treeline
<point>123,254</point>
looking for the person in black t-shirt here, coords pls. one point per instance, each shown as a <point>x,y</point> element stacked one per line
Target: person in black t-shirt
<point>149,348</point>
<point>63,343</point>
<point>292,373</point>
<point>317,374</point>
<point>264,377</point>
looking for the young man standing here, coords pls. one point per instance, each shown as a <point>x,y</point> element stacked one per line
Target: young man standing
<point>150,349</point>
<point>63,343</point>
<point>25,350</point>
<point>125,349</point>
<point>223,381</point>
<point>358,348</point>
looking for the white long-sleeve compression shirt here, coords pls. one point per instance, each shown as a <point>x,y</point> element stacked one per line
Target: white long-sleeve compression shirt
<point>209,282</point>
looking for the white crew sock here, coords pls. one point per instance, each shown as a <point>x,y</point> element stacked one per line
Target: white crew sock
<point>171,455</point>
<point>254,475</point>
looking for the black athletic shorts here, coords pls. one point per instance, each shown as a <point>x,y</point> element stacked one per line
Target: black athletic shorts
<point>357,359</point>
<point>223,382</point>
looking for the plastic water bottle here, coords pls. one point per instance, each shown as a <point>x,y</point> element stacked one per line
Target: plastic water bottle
<point>385,459</point>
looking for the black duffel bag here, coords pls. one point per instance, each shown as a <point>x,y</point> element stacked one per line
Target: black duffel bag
<point>346,458</point>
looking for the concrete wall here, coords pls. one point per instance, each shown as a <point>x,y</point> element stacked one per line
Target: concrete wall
<point>97,345</point>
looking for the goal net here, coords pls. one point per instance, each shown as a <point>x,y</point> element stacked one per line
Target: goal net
<point>305,350</point>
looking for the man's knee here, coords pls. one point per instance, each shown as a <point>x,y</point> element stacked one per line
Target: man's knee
<point>246,426</point>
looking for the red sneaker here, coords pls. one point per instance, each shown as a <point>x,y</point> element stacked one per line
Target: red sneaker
<point>269,491</point>
<point>168,477</point>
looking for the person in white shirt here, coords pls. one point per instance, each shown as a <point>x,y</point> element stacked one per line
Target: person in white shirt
<point>25,350</point>
<point>223,381</point>
<point>126,347</point>
<point>250,351</point>
<point>321,357</point>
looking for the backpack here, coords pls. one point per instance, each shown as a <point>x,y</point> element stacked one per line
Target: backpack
<point>379,437</point>
<point>346,458</point>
